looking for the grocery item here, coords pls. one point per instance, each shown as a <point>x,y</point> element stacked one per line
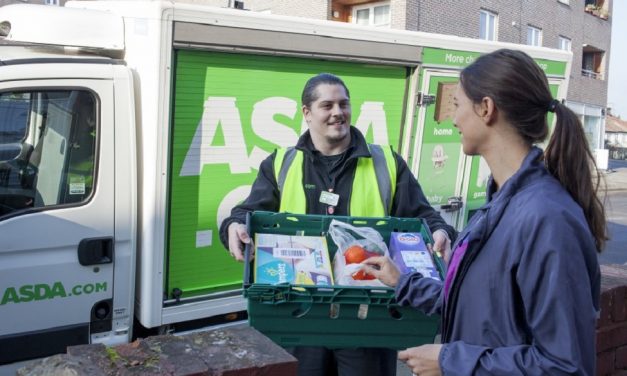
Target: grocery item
<point>354,245</point>
<point>300,260</point>
<point>409,252</point>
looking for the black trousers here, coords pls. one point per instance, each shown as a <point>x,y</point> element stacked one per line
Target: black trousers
<point>320,361</point>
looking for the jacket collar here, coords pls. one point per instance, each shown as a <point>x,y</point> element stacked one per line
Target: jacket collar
<point>531,168</point>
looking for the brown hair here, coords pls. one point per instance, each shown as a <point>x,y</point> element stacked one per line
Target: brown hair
<point>310,95</point>
<point>520,90</point>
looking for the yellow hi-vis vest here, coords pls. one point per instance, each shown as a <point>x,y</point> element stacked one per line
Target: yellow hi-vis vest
<point>373,189</point>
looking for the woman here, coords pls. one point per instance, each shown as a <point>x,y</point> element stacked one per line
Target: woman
<point>522,287</point>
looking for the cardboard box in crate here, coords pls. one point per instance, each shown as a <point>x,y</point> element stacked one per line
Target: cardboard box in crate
<point>333,316</point>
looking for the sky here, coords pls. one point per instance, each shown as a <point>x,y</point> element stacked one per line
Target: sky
<point>617,80</point>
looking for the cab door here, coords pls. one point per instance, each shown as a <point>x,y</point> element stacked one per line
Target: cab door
<point>57,245</point>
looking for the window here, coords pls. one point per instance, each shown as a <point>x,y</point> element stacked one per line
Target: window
<point>47,148</point>
<point>598,8</point>
<point>592,62</point>
<point>373,14</point>
<point>564,43</point>
<point>534,36</point>
<point>591,127</point>
<point>487,21</point>
<point>52,2</point>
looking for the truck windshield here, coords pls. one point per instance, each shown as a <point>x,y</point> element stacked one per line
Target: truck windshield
<point>47,148</point>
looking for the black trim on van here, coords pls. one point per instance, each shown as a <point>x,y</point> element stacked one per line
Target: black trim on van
<point>42,343</point>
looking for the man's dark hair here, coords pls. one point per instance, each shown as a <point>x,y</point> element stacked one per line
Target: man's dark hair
<point>309,91</point>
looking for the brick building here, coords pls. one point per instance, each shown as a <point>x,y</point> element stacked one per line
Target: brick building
<point>616,137</point>
<point>581,26</point>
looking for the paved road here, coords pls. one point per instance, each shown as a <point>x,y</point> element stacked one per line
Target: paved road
<point>616,210</point>
<point>616,164</point>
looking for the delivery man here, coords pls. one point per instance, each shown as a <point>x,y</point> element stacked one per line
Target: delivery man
<point>332,170</point>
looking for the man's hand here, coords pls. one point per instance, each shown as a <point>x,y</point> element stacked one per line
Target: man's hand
<point>238,236</point>
<point>442,245</point>
<point>422,360</point>
<point>383,268</point>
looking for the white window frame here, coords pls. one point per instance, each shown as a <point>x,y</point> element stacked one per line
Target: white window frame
<point>491,25</point>
<point>534,36</point>
<point>564,43</point>
<point>371,7</point>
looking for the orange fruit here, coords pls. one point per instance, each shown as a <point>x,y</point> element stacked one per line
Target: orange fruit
<point>355,254</point>
<point>362,276</point>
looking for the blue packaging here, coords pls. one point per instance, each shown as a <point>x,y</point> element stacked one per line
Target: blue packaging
<point>410,254</point>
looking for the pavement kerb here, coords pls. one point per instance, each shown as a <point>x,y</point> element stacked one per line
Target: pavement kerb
<point>615,180</point>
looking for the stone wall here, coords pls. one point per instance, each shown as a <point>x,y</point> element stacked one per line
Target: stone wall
<point>235,351</point>
<point>612,324</point>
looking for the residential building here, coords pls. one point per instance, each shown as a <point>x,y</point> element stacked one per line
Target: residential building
<point>616,137</point>
<point>581,26</point>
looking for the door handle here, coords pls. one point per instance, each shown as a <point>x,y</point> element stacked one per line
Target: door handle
<point>95,251</point>
<point>454,204</point>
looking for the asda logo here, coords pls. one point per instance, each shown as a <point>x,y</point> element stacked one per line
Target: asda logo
<point>41,291</point>
<point>222,112</point>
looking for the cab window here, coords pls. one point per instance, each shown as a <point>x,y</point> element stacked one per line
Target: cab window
<point>47,149</point>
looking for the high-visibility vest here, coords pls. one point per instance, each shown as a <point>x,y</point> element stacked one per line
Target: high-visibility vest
<point>373,189</point>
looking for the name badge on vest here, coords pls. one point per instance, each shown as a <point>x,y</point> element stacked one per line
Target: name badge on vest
<point>329,198</point>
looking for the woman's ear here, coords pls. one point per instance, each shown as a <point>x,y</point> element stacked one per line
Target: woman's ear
<point>487,110</point>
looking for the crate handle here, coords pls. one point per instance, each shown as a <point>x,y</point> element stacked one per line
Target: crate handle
<point>395,313</point>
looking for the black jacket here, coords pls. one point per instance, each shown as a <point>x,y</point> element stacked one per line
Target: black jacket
<point>409,200</point>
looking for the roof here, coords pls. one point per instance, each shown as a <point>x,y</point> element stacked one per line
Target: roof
<point>614,124</point>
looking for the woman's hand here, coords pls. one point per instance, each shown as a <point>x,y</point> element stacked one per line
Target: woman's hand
<point>442,245</point>
<point>422,360</point>
<point>382,268</point>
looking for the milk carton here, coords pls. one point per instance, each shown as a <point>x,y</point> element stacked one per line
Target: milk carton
<point>409,252</point>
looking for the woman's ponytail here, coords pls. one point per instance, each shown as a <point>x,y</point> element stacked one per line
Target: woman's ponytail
<point>569,159</point>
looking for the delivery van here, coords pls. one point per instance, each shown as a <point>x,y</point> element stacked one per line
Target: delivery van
<point>129,129</point>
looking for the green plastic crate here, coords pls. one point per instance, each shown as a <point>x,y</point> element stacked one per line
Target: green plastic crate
<point>333,316</point>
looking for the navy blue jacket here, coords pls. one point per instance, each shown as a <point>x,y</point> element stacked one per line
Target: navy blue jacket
<point>526,294</point>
